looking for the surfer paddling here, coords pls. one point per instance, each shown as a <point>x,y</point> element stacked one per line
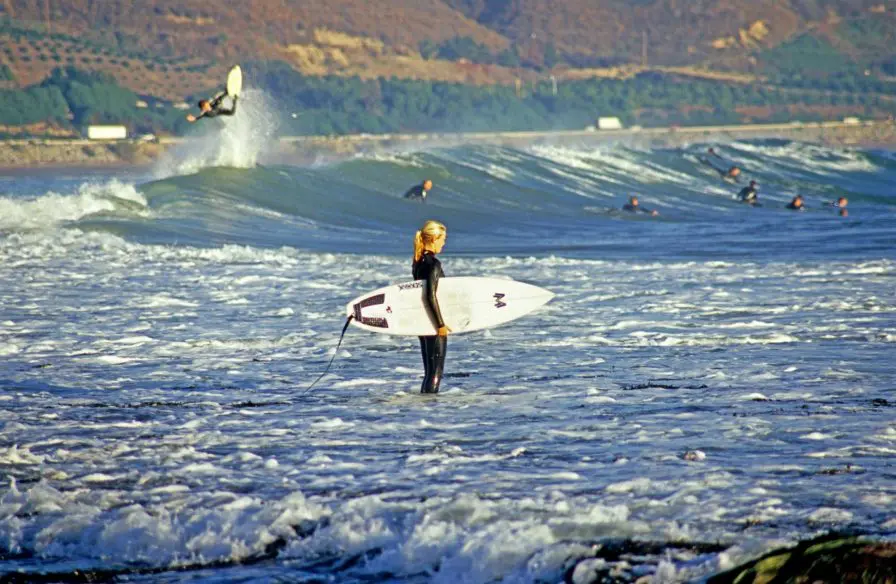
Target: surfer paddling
<point>730,172</point>
<point>749,194</point>
<point>419,192</point>
<point>840,204</point>
<point>427,243</point>
<point>214,107</point>
<point>634,206</point>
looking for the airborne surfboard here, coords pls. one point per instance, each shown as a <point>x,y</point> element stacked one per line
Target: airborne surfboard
<point>235,81</point>
<point>467,304</point>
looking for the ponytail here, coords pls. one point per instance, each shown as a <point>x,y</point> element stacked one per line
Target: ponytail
<point>418,246</point>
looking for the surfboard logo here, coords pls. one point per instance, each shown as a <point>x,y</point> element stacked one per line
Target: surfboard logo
<point>374,321</point>
<point>498,304</point>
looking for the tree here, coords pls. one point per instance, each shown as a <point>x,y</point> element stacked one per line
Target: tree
<point>551,58</point>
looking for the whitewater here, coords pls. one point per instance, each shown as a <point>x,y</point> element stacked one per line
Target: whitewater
<point>708,384</point>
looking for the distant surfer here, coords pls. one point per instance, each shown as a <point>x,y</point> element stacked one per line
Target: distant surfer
<point>749,194</point>
<point>214,107</point>
<point>796,204</point>
<point>419,192</point>
<point>427,243</point>
<point>711,152</point>
<point>840,204</point>
<point>717,162</point>
<point>634,206</point>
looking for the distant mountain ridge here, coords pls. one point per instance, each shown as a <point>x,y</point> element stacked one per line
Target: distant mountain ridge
<point>185,44</point>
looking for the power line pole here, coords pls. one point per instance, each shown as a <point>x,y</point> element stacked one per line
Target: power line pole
<point>644,48</point>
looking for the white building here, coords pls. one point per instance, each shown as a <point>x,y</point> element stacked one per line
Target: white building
<point>609,123</point>
<point>107,132</point>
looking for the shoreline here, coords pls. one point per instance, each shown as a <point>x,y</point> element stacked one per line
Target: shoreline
<point>109,155</point>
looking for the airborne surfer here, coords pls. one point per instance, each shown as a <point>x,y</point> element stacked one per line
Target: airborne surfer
<point>427,243</point>
<point>212,108</point>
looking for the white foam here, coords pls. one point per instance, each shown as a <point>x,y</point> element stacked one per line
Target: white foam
<point>236,141</point>
<point>51,209</point>
<point>830,515</point>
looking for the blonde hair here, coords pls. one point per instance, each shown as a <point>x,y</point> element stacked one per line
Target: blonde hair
<point>431,231</point>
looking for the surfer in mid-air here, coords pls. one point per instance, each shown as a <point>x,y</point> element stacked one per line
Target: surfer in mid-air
<point>214,107</point>
<point>427,243</point>
<point>419,192</point>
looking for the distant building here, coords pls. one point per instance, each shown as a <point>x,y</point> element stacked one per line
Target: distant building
<point>181,106</point>
<point>141,104</point>
<point>609,123</point>
<point>107,132</point>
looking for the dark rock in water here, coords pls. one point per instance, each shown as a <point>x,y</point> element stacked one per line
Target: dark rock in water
<point>830,559</point>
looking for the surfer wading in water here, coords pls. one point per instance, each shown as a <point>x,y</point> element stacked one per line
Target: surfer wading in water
<point>427,243</point>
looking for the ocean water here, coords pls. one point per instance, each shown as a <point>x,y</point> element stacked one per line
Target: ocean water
<point>707,384</point>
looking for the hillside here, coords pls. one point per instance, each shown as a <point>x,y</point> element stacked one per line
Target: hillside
<point>352,66</point>
<point>179,47</point>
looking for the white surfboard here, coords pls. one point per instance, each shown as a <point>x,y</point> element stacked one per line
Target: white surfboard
<point>467,304</point>
<point>235,81</point>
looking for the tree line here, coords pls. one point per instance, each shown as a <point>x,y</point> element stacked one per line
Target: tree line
<point>342,105</point>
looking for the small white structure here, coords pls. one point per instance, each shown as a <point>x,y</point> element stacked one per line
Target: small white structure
<point>107,132</point>
<point>852,121</point>
<point>141,104</point>
<point>609,123</point>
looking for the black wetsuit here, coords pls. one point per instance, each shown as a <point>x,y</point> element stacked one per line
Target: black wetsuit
<point>217,110</point>
<point>793,206</point>
<point>748,194</point>
<point>416,192</point>
<point>635,209</point>
<point>434,348</point>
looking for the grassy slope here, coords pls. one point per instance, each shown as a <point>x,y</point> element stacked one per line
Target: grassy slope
<point>178,48</point>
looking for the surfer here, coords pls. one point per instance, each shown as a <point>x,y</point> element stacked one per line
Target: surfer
<point>710,152</point>
<point>749,194</point>
<point>840,204</point>
<point>796,204</point>
<point>212,108</point>
<point>419,191</point>
<point>729,172</point>
<point>732,173</point>
<point>427,243</point>
<point>633,206</point>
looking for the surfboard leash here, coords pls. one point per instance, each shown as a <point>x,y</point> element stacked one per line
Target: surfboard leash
<point>336,352</point>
